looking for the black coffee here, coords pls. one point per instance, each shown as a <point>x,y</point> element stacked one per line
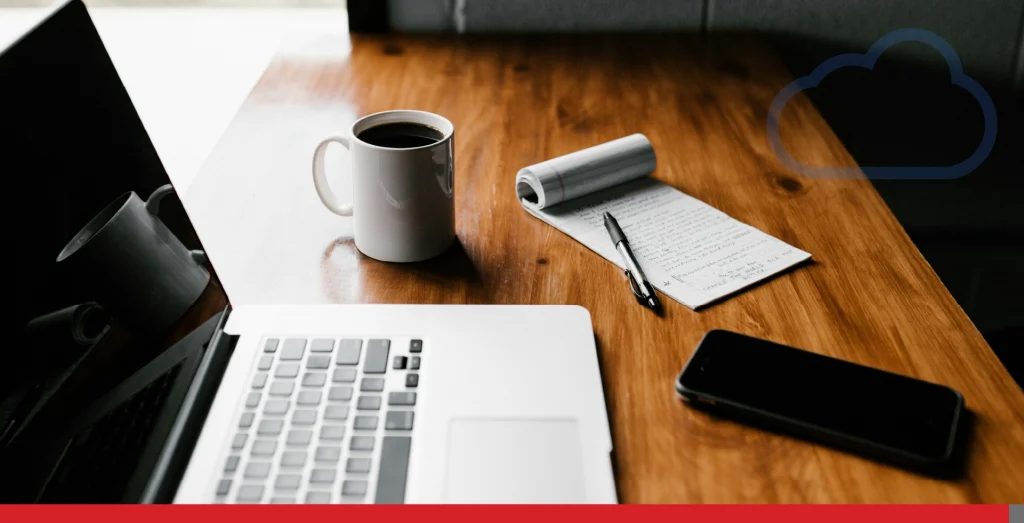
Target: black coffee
<point>401,135</point>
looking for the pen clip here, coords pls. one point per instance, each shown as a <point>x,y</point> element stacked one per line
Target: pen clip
<point>634,286</point>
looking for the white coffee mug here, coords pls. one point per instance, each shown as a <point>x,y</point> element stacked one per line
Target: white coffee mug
<point>402,199</point>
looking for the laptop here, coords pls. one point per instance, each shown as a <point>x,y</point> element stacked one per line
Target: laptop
<point>203,401</point>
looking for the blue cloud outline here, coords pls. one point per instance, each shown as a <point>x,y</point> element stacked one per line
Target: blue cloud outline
<point>867,61</point>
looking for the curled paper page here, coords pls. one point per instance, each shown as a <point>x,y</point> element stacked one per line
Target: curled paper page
<point>689,250</point>
<point>583,172</point>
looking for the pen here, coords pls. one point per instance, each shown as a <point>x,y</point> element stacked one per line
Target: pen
<point>642,289</point>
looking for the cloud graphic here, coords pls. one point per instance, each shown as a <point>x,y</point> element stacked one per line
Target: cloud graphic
<point>867,61</point>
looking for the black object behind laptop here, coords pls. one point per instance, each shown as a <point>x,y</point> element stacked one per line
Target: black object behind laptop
<point>892,418</point>
<point>73,146</point>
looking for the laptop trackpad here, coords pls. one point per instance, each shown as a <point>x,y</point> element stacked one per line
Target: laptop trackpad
<point>514,461</point>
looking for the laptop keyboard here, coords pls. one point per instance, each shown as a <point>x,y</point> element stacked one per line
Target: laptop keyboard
<point>325,420</point>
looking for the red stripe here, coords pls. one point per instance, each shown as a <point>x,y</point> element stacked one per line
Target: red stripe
<point>510,514</point>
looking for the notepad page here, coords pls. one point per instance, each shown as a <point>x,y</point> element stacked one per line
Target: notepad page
<point>689,250</point>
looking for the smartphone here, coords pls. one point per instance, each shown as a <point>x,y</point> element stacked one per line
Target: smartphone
<point>877,414</point>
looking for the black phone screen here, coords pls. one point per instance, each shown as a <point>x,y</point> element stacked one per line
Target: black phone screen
<point>902,413</point>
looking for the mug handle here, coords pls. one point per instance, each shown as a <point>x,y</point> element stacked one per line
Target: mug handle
<point>323,189</point>
<point>153,207</point>
<point>153,203</point>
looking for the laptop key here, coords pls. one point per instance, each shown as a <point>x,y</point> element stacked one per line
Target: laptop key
<point>394,466</point>
<point>299,437</point>
<point>304,417</point>
<point>315,497</point>
<point>365,423</point>
<point>265,362</point>
<point>340,393</point>
<point>269,427</point>
<point>232,463</point>
<point>318,361</point>
<point>361,443</point>
<point>402,398</point>
<point>270,345</point>
<point>275,407</point>
<point>314,379</point>
<point>287,370</point>
<point>353,487</point>
<point>223,487</point>
<point>246,420</point>
<point>372,385</point>
<point>376,356</point>
<point>358,465</point>
<point>414,363</point>
<point>416,346</point>
<point>252,400</point>
<point>322,345</point>
<point>239,441</point>
<point>327,454</point>
<point>322,476</point>
<point>332,432</point>
<point>368,403</point>
<point>412,380</point>
<point>399,362</point>
<point>399,420</point>
<point>282,388</point>
<point>264,447</point>
<point>257,470</point>
<point>259,380</point>
<point>309,397</point>
<point>344,375</point>
<point>250,493</point>
<point>293,349</point>
<point>288,481</point>
<point>293,458</point>
<point>336,412</point>
<point>348,352</point>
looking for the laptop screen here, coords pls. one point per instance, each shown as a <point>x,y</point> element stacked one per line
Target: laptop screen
<point>105,259</point>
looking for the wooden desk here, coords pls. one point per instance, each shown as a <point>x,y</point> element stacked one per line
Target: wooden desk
<point>870,297</point>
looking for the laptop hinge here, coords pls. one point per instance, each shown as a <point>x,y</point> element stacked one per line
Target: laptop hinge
<point>170,465</point>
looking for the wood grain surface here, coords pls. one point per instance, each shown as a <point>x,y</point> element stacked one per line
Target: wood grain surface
<point>868,297</point>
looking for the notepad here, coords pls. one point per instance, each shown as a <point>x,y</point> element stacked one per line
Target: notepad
<point>689,250</point>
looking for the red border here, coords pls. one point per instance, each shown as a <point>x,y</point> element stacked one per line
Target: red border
<point>517,514</point>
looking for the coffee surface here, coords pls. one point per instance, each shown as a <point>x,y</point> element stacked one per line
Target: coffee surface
<point>401,135</point>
